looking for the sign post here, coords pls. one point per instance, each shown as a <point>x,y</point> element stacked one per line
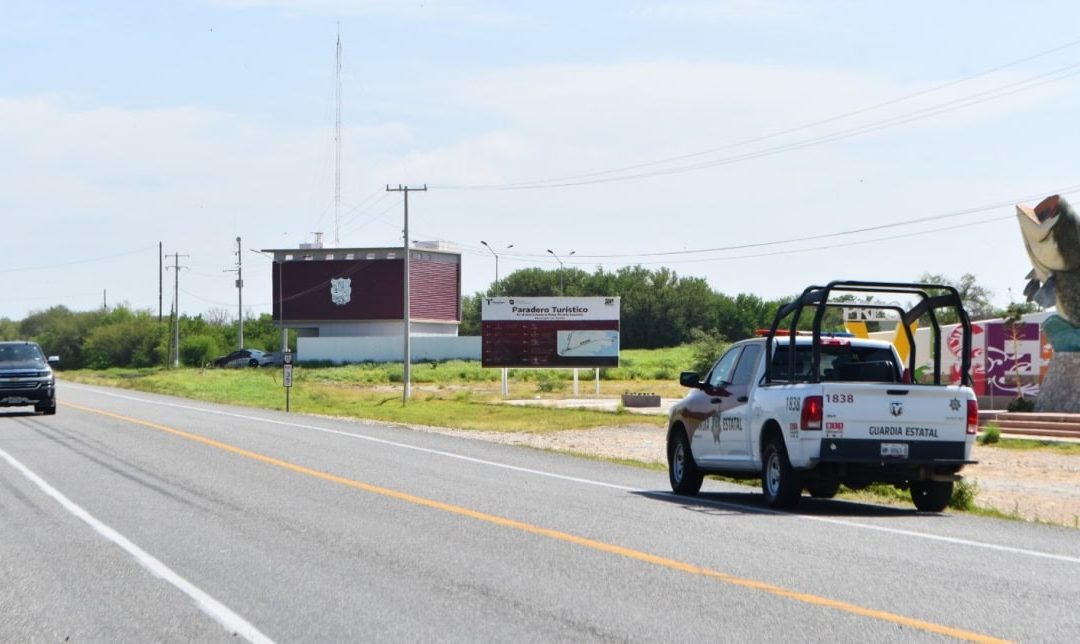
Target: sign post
<point>286,374</point>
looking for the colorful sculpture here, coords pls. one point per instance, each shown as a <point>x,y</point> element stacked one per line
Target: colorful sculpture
<point>1051,234</point>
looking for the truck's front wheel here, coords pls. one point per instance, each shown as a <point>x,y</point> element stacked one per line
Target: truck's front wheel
<point>682,470</point>
<point>779,481</point>
<point>931,496</point>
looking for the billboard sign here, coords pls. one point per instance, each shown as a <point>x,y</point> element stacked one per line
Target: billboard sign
<point>550,332</point>
<point>338,286</point>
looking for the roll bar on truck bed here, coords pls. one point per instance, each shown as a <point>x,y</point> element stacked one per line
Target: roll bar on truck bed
<point>930,298</point>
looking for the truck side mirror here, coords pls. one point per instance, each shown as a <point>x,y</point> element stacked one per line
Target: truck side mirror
<point>690,379</point>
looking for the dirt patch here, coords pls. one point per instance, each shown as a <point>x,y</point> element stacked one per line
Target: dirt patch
<point>1034,485</point>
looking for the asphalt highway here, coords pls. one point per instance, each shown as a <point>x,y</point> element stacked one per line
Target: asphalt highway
<point>134,517</point>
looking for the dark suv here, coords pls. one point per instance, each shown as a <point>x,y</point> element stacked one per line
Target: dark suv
<point>26,377</point>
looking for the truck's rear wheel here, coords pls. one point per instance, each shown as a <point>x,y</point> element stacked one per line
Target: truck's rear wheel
<point>779,481</point>
<point>931,496</point>
<point>823,488</point>
<point>682,470</point>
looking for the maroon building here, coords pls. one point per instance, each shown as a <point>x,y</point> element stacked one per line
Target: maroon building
<point>359,292</point>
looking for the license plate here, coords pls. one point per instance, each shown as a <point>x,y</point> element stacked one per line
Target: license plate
<point>894,450</point>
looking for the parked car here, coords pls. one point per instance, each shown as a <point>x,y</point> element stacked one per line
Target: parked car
<point>26,377</point>
<point>245,358</point>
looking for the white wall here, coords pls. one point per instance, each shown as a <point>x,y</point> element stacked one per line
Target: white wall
<point>387,348</point>
<point>373,328</point>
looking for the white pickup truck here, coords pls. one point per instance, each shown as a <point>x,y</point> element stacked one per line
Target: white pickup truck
<point>814,410</point>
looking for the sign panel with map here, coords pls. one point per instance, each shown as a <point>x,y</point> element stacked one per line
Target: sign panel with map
<point>550,332</point>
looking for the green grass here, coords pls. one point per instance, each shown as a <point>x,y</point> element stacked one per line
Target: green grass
<point>1030,444</point>
<point>331,391</point>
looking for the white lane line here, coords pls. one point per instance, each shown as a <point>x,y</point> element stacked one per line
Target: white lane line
<point>573,479</point>
<point>217,611</point>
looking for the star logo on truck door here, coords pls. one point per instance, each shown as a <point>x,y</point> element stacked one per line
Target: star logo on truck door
<point>954,404</point>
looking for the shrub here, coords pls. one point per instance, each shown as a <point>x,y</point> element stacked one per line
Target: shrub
<point>990,435</point>
<point>548,384</point>
<point>197,350</point>
<point>963,495</point>
<point>1022,404</point>
<point>706,347</point>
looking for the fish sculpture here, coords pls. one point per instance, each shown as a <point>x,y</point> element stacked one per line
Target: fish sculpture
<point>1051,232</point>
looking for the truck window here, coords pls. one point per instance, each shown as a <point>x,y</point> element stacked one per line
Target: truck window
<point>722,370</point>
<point>747,364</point>
<point>839,363</point>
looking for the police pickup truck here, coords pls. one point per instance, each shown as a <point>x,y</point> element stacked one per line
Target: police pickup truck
<point>813,410</point>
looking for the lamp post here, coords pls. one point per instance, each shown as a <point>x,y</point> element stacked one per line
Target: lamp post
<point>561,289</point>
<point>488,246</point>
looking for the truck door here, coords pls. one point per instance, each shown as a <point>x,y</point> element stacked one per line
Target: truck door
<point>735,410</point>
<point>705,443</point>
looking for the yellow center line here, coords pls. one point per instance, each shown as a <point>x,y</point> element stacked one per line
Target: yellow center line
<point>601,546</point>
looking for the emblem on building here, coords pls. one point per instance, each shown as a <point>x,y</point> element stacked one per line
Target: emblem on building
<point>341,290</point>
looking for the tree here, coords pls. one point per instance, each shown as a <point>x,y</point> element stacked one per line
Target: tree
<point>61,332</point>
<point>126,338</point>
<point>9,330</point>
<point>976,299</point>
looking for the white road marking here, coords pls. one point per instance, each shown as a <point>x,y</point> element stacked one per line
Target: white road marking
<point>217,611</point>
<point>573,479</point>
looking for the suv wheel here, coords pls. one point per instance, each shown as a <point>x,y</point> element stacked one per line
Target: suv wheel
<point>48,408</point>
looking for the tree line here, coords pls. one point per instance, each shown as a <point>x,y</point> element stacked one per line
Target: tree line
<point>658,309</point>
<point>123,337</point>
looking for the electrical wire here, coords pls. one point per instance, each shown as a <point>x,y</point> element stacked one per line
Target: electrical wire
<point>852,231</point>
<point>954,104</point>
<point>79,262</point>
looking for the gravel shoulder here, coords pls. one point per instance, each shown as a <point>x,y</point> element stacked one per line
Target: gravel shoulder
<point>1033,485</point>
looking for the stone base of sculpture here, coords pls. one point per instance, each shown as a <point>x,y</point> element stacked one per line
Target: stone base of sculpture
<point>1060,389</point>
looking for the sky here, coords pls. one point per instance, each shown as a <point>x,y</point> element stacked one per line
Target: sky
<point>761,145</point>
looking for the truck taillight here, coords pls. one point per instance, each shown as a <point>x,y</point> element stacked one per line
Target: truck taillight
<point>973,417</point>
<point>812,413</point>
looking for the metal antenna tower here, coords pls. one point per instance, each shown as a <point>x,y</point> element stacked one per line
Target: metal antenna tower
<point>337,144</point>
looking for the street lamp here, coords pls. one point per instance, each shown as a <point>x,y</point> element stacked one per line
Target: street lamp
<point>561,290</point>
<point>488,246</point>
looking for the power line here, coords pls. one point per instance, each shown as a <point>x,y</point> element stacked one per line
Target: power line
<point>954,104</point>
<point>861,242</point>
<point>78,262</point>
<point>852,231</point>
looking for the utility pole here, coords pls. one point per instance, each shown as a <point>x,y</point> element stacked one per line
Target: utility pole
<point>176,305</point>
<point>240,289</point>
<point>160,279</point>
<point>408,327</point>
